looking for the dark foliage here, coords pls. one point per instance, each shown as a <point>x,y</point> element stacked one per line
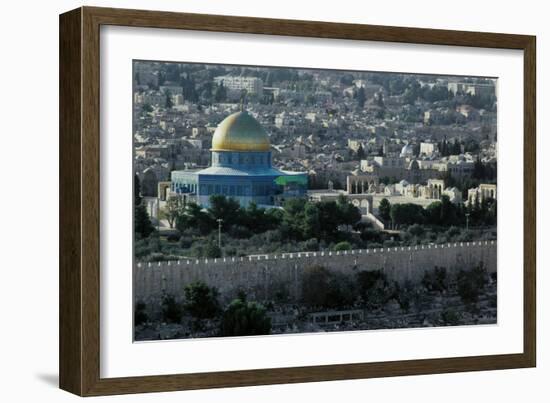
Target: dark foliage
<point>436,279</point>
<point>374,288</point>
<point>140,316</point>
<point>471,283</point>
<point>201,301</point>
<point>322,288</point>
<point>172,311</point>
<point>243,318</point>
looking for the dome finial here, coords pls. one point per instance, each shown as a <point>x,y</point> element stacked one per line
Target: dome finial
<point>243,100</point>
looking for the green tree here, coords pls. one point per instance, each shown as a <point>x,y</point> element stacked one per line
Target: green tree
<point>146,108</point>
<point>243,318</point>
<point>433,213</point>
<point>293,218</point>
<point>407,214</point>
<point>315,285</point>
<point>168,103</point>
<point>450,317</point>
<point>384,208</point>
<point>212,251</point>
<point>416,230</point>
<point>225,208</point>
<point>201,301</point>
<point>406,295</point>
<point>360,153</point>
<point>325,289</point>
<point>344,245</point>
<point>330,218</point>
<point>142,223</point>
<point>140,315</point>
<point>436,279</point>
<point>172,210</point>
<point>312,224</point>
<point>374,288</point>
<point>348,213</point>
<point>259,220</point>
<point>194,217</point>
<point>410,96</point>
<point>479,169</point>
<point>171,309</point>
<point>220,94</point>
<point>137,190</point>
<point>471,283</point>
<point>361,97</point>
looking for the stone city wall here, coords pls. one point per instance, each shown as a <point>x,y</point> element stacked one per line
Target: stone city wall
<point>263,276</point>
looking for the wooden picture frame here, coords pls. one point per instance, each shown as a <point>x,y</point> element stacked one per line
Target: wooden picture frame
<point>79,201</point>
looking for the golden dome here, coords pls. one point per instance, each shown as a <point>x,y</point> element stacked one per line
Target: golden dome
<point>240,132</point>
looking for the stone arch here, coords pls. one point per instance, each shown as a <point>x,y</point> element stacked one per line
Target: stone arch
<point>365,206</point>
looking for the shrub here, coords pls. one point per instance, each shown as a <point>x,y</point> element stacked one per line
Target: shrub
<point>212,251</point>
<point>326,289</point>
<point>243,318</point>
<point>374,288</point>
<point>465,236</point>
<point>436,279</point>
<point>341,292</point>
<point>141,248</point>
<point>453,231</point>
<point>171,309</point>
<point>140,316</point>
<point>416,230</point>
<point>159,257</point>
<point>281,292</point>
<point>240,232</point>
<point>344,245</point>
<point>201,301</point>
<point>371,235</point>
<point>311,244</point>
<point>450,317</point>
<point>186,241</point>
<point>471,283</point>
<point>406,295</point>
<point>173,237</point>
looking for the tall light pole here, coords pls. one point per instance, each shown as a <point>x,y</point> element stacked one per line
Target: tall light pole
<point>467,220</point>
<point>219,220</point>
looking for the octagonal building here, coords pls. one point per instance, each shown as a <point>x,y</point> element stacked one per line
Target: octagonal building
<point>240,168</point>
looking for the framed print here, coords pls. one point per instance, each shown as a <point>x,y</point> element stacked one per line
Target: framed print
<point>249,201</point>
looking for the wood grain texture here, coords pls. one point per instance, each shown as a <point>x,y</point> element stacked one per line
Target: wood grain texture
<point>70,275</point>
<point>80,196</point>
<point>530,202</point>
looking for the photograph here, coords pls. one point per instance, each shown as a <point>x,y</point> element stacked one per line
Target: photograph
<point>281,200</point>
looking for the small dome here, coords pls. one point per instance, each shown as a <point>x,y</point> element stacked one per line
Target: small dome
<point>240,132</point>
